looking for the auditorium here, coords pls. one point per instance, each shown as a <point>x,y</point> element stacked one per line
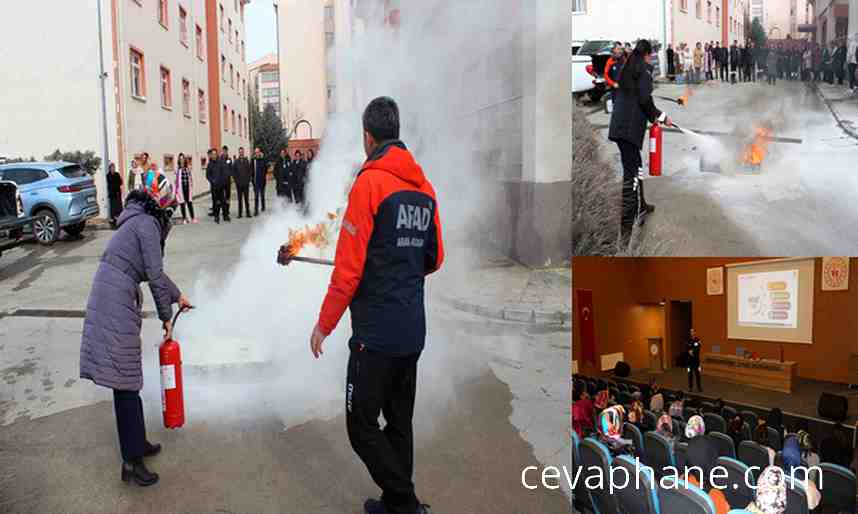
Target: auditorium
<point>719,385</point>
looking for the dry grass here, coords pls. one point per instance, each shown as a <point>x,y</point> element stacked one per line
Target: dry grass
<point>596,200</point>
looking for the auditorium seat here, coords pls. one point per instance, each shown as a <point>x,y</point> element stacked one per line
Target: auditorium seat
<point>724,444</point>
<point>595,455</point>
<point>737,492</point>
<point>796,497</point>
<point>680,450</point>
<point>728,412</point>
<point>750,418</point>
<point>775,440</point>
<point>623,398</point>
<point>580,493</point>
<point>650,420</point>
<point>714,423</point>
<point>623,387</point>
<point>640,496</point>
<point>658,452</point>
<point>683,498</point>
<point>838,490</point>
<point>753,454</point>
<point>707,407</point>
<point>591,388</point>
<point>687,412</point>
<point>746,431</point>
<point>634,433</point>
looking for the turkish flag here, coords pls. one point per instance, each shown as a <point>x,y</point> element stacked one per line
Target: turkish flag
<point>586,328</point>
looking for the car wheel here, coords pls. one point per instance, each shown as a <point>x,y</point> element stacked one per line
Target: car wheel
<point>76,229</point>
<point>46,227</point>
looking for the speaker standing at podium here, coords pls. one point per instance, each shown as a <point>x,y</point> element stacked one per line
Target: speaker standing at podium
<point>693,361</point>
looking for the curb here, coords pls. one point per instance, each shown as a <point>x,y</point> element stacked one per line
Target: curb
<point>849,132</point>
<point>559,317</point>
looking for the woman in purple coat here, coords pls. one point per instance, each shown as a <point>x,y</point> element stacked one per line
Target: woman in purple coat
<point>110,351</point>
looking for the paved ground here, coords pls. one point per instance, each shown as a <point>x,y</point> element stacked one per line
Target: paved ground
<point>265,432</point>
<point>800,203</point>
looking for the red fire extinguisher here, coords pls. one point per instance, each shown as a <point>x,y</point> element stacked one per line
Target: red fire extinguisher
<point>172,394</point>
<point>655,150</point>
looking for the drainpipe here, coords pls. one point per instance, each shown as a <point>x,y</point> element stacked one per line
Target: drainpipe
<point>102,77</point>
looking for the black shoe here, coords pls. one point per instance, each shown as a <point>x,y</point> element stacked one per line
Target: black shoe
<point>240,216</point>
<point>228,219</point>
<point>151,449</point>
<point>217,220</point>
<point>137,471</point>
<point>373,506</point>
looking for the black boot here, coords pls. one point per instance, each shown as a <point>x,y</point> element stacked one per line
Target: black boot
<point>151,450</point>
<point>137,471</point>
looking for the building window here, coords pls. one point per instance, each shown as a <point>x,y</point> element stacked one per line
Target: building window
<point>699,8</point>
<point>233,122</point>
<point>243,56</point>
<point>221,17</point>
<point>204,160</point>
<point>169,162</point>
<point>236,40</point>
<point>240,127</point>
<point>138,74</point>
<point>183,26</point>
<point>201,95</point>
<point>166,89</point>
<point>236,5</point>
<point>244,87</point>
<point>186,98</point>
<point>231,77</point>
<point>717,16</point>
<point>708,12</point>
<point>162,13</point>
<point>683,5</point>
<point>225,119</point>
<point>223,67</point>
<point>200,42</point>
<point>579,6</point>
<point>229,34</point>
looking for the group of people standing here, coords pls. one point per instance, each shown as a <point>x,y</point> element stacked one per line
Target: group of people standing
<point>290,175</point>
<point>711,61</point>
<point>222,170</point>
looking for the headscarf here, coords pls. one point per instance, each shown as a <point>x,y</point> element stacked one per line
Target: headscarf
<point>602,398</point>
<point>158,187</point>
<point>791,453</point>
<point>636,412</point>
<point>771,491</point>
<point>695,427</point>
<point>805,441</point>
<point>611,422</point>
<point>665,425</point>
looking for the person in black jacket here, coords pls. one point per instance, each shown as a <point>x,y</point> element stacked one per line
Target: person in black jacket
<point>227,169</point>
<point>283,175</point>
<point>724,63</point>
<point>633,108</point>
<point>296,179</point>
<point>671,64</point>
<point>838,60</point>
<point>735,60</point>
<point>260,177</point>
<point>693,360</point>
<point>216,175</point>
<point>114,193</point>
<point>243,178</point>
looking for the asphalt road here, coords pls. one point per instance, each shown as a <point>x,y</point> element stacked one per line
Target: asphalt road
<point>801,201</point>
<point>492,399</point>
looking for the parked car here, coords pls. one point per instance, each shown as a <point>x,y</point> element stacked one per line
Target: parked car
<point>599,52</point>
<point>57,195</point>
<point>582,79</point>
<point>12,217</point>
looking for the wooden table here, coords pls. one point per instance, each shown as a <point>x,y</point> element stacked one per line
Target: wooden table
<point>763,374</point>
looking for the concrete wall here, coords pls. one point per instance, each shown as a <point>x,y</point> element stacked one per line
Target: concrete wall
<point>691,26</point>
<point>622,20</point>
<point>303,74</point>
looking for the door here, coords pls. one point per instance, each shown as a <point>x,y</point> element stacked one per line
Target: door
<point>680,326</point>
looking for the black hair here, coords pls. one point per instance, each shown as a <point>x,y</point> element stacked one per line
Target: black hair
<point>225,148</point>
<point>381,119</point>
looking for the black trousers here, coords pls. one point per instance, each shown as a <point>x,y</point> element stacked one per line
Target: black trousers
<point>219,202</point>
<point>694,371</point>
<point>633,195</point>
<point>772,78</point>
<point>379,383</point>
<point>227,196</point>
<point>130,424</point>
<point>258,196</point>
<point>724,72</point>
<point>243,199</point>
<point>852,67</point>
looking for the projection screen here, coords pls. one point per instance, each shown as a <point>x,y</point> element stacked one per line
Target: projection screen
<point>771,300</point>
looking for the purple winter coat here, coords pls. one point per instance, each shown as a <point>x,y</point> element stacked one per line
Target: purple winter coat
<point>110,349</point>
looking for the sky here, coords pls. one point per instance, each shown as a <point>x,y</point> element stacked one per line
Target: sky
<point>261,29</point>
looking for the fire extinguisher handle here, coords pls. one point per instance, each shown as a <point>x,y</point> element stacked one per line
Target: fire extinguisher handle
<point>178,312</point>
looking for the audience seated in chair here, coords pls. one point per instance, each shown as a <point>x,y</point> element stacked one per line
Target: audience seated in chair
<point>805,441</point>
<point>678,405</point>
<point>582,413</point>
<point>611,431</point>
<point>771,495</point>
<point>791,456</point>
<point>761,437</point>
<point>702,454</point>
<point>734,430</point>
<point>835,448</point>
<point>665,427</point>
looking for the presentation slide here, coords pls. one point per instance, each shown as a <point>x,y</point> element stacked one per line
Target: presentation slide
<point>768,299</point>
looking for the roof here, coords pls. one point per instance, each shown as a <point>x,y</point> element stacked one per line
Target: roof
<point>41,165</point>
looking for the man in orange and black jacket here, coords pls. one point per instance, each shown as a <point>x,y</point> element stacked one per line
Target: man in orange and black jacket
<point>614,66</point>
<point>389,242</point>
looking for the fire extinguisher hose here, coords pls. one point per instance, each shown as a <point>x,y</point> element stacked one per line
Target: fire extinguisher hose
<point>176,316</point>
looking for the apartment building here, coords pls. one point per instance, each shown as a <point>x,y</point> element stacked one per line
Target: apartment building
<point>264,77</point>
<point>175,80</point>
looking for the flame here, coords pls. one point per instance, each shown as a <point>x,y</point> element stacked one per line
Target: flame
<point>315,235</point>
<point>683,100</point>
<point>756,151</point>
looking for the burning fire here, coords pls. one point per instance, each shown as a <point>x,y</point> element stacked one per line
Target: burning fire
<point>756,151</point>
<point>314,235</point>
<point>683,100</point>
